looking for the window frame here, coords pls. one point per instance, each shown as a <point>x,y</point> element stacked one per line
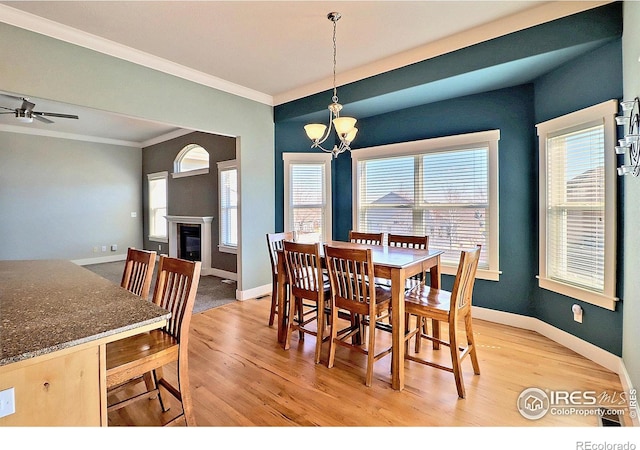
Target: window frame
<point>178,173</point>
<point>601,113</point>
<point>309,158</point>
<point>223,166</point>
<point>164,175</point>
<point>488,138</point>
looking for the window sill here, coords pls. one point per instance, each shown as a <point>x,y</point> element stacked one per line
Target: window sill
<point>481,274</point>
<point>189,173</point>
<point>594,298</point>
<point>227,249</point>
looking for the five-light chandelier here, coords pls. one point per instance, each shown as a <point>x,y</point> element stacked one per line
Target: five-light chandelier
<point>344,126</point>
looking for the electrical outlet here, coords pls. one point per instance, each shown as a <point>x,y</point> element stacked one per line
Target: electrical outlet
<point>104,248</point>
<point>95,249</point>
<point>134,214</point>
<point>7,402</point>
<point>114,247</point>
<point>159,247</point>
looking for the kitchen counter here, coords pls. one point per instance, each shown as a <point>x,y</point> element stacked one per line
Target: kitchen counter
<point>55,308</point>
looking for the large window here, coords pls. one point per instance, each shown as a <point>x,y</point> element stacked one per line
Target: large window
<point>577,204</point>
<point>228,190</point>
<point>307,186</point>
<point>157,189</point>
<point>445,188</point>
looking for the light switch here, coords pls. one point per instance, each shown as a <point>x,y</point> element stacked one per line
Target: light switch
<point>7,402</point>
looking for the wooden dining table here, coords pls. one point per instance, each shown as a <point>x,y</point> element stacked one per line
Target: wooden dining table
<point>393,263</point>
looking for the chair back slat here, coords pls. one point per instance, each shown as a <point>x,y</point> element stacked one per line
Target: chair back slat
<point>176,287</point>
<point>304,269</point>
<point>138,271</point>
<point>399,240</point>
<point>462,291</point>
<point>274,243</point>
<point>350,272</point>
<point>358,237</point>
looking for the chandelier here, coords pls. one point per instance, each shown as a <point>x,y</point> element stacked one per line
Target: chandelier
<point>344,126</point>
<point>631,142</point>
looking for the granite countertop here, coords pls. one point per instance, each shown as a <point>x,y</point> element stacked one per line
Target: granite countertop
<point>49,305</point>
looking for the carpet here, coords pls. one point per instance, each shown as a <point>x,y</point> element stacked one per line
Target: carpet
<point>212,291</point>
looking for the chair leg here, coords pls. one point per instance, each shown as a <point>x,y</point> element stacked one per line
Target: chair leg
<point>274,301</point>
<point>300,309</point>
<point>333,335</point>
<point>371,351</point>
<point>455,360</point>
<point>158,375</point>
<point>185,392</point>
<point>435,330</point>
<point>292,307</point>
<point>472,344</point>
<point>319,331</point>
<point>419,321</point>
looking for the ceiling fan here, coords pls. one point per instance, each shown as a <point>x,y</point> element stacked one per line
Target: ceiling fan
<point>26,113</point>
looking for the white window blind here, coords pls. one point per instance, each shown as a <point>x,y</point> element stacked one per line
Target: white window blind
<point>578,205</point>
<point>157,191</point>
<point>308,199</point>
<point>442,189</point>
<point>575,208</point>
<point>228,179</point>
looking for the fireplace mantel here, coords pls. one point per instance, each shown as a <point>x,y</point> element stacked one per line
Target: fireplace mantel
<point>205,236</point>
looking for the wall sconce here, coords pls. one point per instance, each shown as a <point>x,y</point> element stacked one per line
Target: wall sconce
<point>631,142</point>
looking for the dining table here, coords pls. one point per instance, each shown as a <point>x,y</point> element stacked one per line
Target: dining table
<point>396,264</point>
<point>56,319</point>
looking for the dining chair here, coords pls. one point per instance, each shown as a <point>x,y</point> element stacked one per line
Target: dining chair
<point>138,271</point>
<point>351,275</point>
<point>306,282</point>
<point>130,358</point>
<point>449,307</point>
<point>274,244</point>
<point>359,237</point>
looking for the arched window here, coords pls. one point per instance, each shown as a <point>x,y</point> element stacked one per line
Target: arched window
<point>192,160</point>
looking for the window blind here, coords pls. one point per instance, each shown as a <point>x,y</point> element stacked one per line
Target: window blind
<point>442,194</point>
<point>307,200</point>
<point>576,208</point>
<point>229,207</point>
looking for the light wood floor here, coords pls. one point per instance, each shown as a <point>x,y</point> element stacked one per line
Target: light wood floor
<point>240,376</point>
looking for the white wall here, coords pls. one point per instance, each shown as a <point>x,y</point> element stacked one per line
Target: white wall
<point>62,198</point>
<point>631,294</point>
<point>43,67</point>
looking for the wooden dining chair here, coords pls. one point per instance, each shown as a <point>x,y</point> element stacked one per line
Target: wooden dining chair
<point>449,307</point>
<point>130,358</point>
<point>274,244</point>
<point>306,282</point>
<point>138,271</point>
<point>352,289</point>
<point>358,237</point>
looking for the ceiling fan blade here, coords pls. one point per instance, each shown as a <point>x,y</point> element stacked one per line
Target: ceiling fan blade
<point>14,97</point>
<point>64,116</point>
<point>42,119</point>
<point>7,112</point>
<point>8,109</point>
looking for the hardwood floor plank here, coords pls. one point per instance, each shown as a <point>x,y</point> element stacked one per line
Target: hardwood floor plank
<point>241,377</point>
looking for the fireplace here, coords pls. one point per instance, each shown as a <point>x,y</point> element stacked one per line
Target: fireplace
<point>189,241</point>
<point>190,238</point>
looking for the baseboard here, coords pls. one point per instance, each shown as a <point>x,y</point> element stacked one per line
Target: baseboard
<point>100,259</point>
<point>256,292</point>
<point>219,273</point>
<point>627,386</point>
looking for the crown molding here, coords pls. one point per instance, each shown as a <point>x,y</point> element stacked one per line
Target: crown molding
<point>55,30</point>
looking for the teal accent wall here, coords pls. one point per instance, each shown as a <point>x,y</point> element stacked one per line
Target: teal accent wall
<point>591,78</point>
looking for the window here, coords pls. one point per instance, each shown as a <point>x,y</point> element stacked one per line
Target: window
<point>157,184</point>
<point>446,188</point>
<point>577,204</point>
<point>192,160</point>
<point>307,193</point>
<point>228,201</point>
